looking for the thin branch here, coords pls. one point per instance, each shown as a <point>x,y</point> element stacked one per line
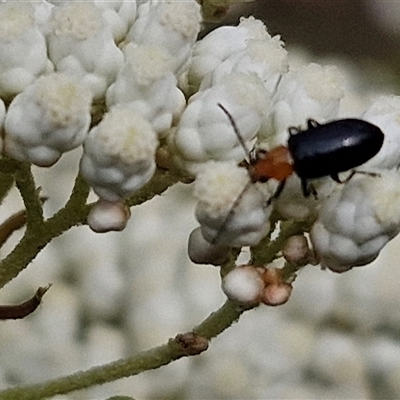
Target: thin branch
<point>6,183</point>
<point>211,327</point>
<point>22,310</point>
<point>74,213</point>
<point>30,195</point>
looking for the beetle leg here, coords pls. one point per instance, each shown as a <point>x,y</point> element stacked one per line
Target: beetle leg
<point>373,174</point>
<point>293,130</point>
<point>278,192</point>
<point>308,188</point>
<point>312,123</point>
<point>336,178</point>
<point>304,188</point>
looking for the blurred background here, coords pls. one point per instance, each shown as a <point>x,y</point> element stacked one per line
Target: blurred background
<point>119,293</point>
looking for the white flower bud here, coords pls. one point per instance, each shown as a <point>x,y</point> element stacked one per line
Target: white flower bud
<point>80,43</point>
<point>48,118</point>
<point>169,25</point>
<point>355,223</point>
<point>231,211</point>
<point>106,216</point>
<point>202,252</point>
<point>119,15</point>
<point>220,44</point>
<point>23,53</point>
<point>119,153</point>
<point>296,250</point>
<point>205,132</point>
<point>266,58</point>
<point>244,285</point>
<point>148,86</point>
<point>312,91</point>
<point>385,113</point>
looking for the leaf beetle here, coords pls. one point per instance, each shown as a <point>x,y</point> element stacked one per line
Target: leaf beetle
<point>320,150</point>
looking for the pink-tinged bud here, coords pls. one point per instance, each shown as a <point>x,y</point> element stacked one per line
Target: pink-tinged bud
<point>276,294</point>
<point>106,216</point>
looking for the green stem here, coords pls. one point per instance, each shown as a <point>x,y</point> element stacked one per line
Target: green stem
<point>211,327</point>
<point>74,213</point>
<point>30,195</point>
<point>6,183</point>
<point>36,238</point>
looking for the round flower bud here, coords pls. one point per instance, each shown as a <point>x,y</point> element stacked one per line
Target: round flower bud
<point>202,252</point>
<point>355,223</point>
<point>265,58</point>
<point>276,294</point>
<point>296,250</point>
<point>243,285</point>
<point>80,43</point>
<point>48,118</point>
<point>23,53</point>
<point>311,91</point>
<point>119,154</point>
<point>147,84</point>
<point>106,216</point>
<point>119,15</point>
<point>174,26</point>
<point>220,44</point>
<point>206,133</point>
<point>231,211</point>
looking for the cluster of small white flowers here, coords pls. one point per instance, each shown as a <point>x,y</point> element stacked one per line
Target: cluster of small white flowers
<point>218,186</point>
<point>147,83</point>
<point>261,98</point>
<point>23,53</point>
<point>141,59</point>
<point>119,153</point>
<point>356,222</point>
<point>51,116</point>
<point>80,43</point>
<point>61,61</point>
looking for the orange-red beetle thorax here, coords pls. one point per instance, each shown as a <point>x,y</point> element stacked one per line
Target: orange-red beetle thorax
<point>277,164</point>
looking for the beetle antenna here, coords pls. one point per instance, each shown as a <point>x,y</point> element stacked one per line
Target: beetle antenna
<point>230,213</point>
<point>237,133</point>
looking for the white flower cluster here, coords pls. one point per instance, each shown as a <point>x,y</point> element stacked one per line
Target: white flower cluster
<point>356,222</point>
<point>51,116</point>
<point>245,94</point>
<point>139,60</point>
<point>61,61</point>
<point>118,154</point>
<point>217,187</point>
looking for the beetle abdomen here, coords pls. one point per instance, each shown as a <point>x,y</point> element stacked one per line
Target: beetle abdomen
<point>334,147</point>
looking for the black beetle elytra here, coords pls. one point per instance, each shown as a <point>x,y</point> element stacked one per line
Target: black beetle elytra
<point>320,150</point>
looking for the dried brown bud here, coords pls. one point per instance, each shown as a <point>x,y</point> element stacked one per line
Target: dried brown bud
<point>191,343</point>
